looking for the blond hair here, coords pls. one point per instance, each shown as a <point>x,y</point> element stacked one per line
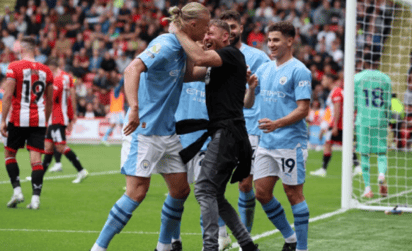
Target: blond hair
<point>190,11</point>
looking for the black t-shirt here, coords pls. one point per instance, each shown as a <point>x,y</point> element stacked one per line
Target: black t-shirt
<point>226,85</point>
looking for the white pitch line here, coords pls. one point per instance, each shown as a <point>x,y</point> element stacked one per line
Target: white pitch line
<point>84,231</point>
<point>387,198</point>
<point>66,176</point>
<point>268,233</point>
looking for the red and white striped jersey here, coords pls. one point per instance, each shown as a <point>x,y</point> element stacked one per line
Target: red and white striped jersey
<point>29,99</point>
<point>67,77</point>
<point>62,104</point>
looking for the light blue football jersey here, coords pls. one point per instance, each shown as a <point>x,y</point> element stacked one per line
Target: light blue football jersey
<point>192,105</point>
<point>160,86</point>
<point>254,58</point>
<point>280,88</point>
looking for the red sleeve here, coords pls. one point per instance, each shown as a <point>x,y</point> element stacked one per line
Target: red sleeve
<point>71,84</point>
<point>70,111</point>
<point>11,71</point>
<point>337,96</point>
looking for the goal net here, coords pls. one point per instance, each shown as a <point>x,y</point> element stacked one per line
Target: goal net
<point>378,37</point>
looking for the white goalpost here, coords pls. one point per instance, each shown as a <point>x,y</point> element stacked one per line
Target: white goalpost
<point>383,29</point>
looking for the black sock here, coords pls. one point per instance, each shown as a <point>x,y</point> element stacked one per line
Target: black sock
<point>13,171</point>
<point>249,247</point>
<point>37,178</point>
<point>57,155</point>
<point>46,161</point>
<point>73,159</point>
<point>326,159</point>
<point>355,159</point>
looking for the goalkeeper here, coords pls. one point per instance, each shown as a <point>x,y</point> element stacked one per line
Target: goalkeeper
<point>372,103</point>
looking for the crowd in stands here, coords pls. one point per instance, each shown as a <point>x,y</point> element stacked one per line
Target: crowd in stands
<point>95,40</point>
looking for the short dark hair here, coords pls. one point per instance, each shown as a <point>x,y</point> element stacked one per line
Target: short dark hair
<point>230,15</point>
<point>53,62</point>
<point>220,24</point>
<point>331,76</point>
<point>29,42</point>
<point>286,28</point>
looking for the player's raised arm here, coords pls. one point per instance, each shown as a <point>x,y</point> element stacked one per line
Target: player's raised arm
<point>9,87</point>
<point>249,100</point>
<point>131,86</point>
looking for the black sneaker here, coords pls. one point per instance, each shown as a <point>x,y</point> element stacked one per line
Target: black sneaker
<point>289,246</point>
<point>257,249</point>
<point>177,246</point>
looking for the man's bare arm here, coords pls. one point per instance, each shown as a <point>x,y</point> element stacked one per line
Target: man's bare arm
<point>131,87</point>
<point>196,53</point>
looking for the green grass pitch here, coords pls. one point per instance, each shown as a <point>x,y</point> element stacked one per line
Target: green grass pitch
<point>71,215</point>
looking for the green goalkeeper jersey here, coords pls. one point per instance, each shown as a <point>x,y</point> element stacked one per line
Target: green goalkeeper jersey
<point>373,94</point>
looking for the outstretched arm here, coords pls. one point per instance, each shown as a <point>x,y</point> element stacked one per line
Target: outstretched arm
<point>249,99</point>
<point>131,85</point>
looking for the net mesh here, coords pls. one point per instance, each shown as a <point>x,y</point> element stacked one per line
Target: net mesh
<point>383,40</point>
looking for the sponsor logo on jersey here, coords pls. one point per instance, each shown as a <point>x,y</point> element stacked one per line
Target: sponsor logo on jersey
<point>10,71</point>
<point>304,83</point>
<point>283,80</point>
<point>155,49</point>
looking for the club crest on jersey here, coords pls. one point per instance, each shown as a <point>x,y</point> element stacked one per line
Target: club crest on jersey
<point>283,80</point>
<point>145,164</point>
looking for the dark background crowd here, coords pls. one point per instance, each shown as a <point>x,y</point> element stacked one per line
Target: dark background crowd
<point>95,40</point>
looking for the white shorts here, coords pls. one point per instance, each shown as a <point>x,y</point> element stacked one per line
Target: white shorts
<point>116,118</point>
<point>287,164</point>
<point>254,142</point>
<point>193,167</point>
<point>144,155</point>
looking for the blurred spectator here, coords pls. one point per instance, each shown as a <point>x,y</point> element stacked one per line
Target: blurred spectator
<point>3,67</point>
<point>89,114</point>
<point>8,39</point>
<point>76,69</point>
<point>256,36</point>
<point>89,97</point>
<point>81,107</point>
<point>323,13</point>
<point>407,98</point>
<point>108,63</point>
<point>95,61</point>
<point>39,57</point>
<point>122,62</point>
<point>63,43</point>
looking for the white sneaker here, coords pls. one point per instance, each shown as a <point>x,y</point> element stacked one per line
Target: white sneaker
<point>357,170</point>
<point>35,203</point>
<point>320,172</point>
<point>28,178</point>
<point>56,168</point>
<point>81,176</point>
<point>224,242</point>
<point>15,199</point>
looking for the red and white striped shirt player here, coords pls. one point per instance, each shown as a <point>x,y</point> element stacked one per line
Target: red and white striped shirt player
<point>62,104</point>
<point>29,99</point>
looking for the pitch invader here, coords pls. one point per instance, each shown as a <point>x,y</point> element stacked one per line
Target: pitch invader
<point>254,58</point>
<point>62,119</point>
<point>335,133</point>
<point>29,93</point>
<point>285,88</point>
<point>373,92</point>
